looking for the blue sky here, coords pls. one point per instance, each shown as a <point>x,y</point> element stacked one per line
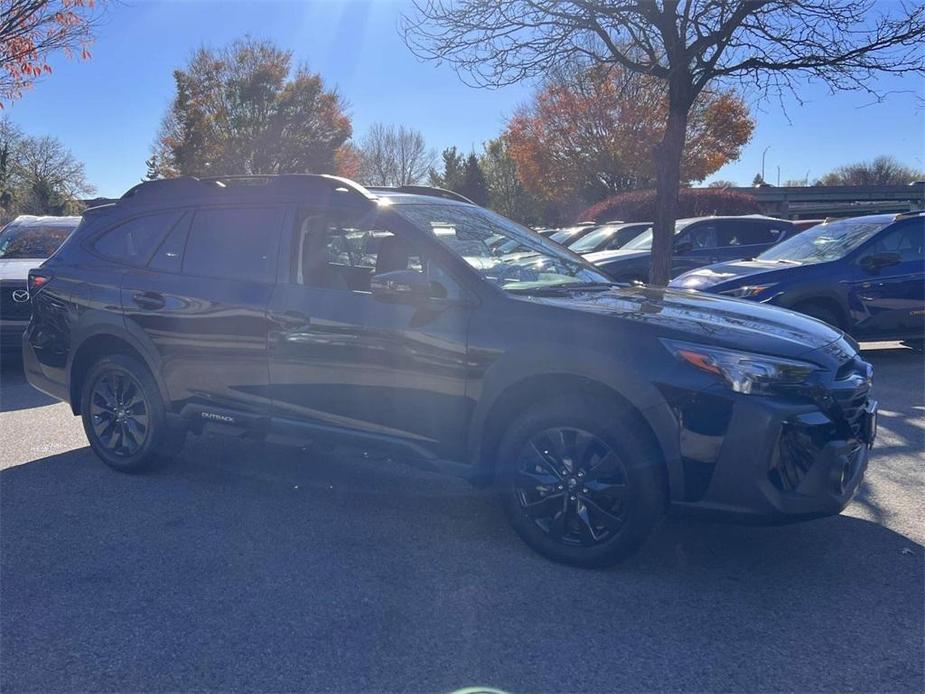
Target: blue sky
<point>107,110</point>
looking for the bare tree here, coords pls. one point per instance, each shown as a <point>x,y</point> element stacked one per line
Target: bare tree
<point>881,171</point>
<point>393,156</point>
<point>763,45</point>
<point>52,178</point>
<point>31,30</point>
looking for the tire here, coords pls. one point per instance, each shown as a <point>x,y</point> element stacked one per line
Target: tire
<point>819,312</point>
<point>578,483</point>
<point>124,416</point>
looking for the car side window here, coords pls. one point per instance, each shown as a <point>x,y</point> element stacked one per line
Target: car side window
<point>234,243</point>
<point>169,255</point>
<point>134,241</point>
<point>748,233</point>
<point>701,236</point>
<point>906,240</point>
<point>343,250</point>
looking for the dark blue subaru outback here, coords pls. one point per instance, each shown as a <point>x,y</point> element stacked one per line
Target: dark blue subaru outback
<point>865,275</point>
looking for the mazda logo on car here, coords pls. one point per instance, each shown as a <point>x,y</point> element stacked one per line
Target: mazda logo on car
<point>20,296</point>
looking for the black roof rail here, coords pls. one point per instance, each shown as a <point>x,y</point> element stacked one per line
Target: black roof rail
<point>432,191</point>
<point>190,186</point>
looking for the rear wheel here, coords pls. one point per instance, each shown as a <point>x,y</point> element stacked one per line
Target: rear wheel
<point>579,486</point>
<point>123,415</point>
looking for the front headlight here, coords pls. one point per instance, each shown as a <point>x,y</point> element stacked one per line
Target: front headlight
<point>744,372</point>
<point>747,291</point>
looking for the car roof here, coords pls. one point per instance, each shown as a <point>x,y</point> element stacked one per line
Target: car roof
<point>189,190</point>
<point>689,220</point>
<point>31,220</point>
<point>877,218</point>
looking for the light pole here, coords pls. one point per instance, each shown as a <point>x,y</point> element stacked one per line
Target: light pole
<point>763,155</point>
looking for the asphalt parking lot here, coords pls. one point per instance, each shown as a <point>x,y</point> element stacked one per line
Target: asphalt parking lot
<point>248,567</point>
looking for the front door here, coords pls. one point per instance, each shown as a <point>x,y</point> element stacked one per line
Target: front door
<point>345,361</point>
<point>890,302</point>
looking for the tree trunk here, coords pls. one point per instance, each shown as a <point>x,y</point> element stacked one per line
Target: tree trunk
<point>667,154</point>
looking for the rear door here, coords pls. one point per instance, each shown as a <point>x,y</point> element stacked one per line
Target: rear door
<point>202,302</point>
<point>890,302</point>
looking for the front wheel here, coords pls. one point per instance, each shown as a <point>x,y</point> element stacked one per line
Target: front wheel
<point>579,485</point>
<point>123,415</point>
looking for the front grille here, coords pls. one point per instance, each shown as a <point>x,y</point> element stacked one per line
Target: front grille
<point>10,309</point>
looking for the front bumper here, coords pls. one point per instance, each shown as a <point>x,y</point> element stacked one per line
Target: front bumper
<point>764,459</point>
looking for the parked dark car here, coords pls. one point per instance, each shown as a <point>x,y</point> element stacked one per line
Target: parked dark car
<point>609,237</point>
<point>300,308</point>
<point>25,243</point>
<point>864,275</point>
<point>571,234</point>
<point>698,241</point>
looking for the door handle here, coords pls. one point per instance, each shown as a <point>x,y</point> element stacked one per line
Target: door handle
<point>151,301</point>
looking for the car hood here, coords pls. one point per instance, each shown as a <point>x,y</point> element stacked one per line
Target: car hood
<point>707,319</point>
<point>619,255</point>
<point>18,268</point>
<point>733,274</point>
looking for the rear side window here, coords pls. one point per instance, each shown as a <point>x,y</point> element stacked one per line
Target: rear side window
<point>234,243</point>
<point>749,233</point>
<point>134,241</point>
<point>169,255</point>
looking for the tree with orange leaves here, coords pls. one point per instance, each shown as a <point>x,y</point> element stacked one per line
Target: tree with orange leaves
<point>589,133</point>
<point>31,30</point>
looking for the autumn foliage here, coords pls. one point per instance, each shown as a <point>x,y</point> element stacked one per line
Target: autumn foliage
<point>30,30</point>
<point>243,109</point>
<point>590,133</point>
<point>639,205</point>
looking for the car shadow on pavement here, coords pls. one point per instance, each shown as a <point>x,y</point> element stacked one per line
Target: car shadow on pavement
<point>15,391</point>
<point>254,567</point>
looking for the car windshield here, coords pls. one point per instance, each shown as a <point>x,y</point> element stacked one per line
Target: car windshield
<point>590,242</point>
<point>824,242</point>
<point>31,241</point>
<point>467,230</point>
<point>643,242</point>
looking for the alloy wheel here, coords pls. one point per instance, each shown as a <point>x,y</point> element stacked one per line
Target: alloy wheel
<point>572,486</point>
<point>119,413</point>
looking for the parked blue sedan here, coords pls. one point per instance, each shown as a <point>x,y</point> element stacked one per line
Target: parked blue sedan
<point>865,275</point>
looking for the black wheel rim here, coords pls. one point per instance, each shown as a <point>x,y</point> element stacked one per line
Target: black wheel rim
<point>119,413</point>
<point>572,486</point>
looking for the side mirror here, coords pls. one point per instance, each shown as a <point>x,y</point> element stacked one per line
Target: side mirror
<point>401,286</point>
<point>683,246</point>
<point>878,261</point>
